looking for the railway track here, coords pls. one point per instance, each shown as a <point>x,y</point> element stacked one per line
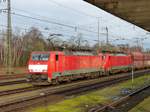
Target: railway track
<point>12,81</point>
<point>63,90</point>
<point>19,90</point>
<point>5,77</point>
<point>112,107</point>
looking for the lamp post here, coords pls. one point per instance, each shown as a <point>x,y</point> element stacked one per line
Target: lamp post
<point>98,28</point>
<point>107,36</point>
<point>132,75</point>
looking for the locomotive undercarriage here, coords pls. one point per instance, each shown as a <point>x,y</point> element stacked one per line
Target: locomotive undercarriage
<point>42,79</point>
<point>38,79</point>
<point>73,77</point>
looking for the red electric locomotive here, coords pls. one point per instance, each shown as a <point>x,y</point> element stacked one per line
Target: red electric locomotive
<point>47,67</point>
<point>53,67</point>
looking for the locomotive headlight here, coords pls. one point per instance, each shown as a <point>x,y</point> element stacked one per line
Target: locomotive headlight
<point>31,70</point>
<point>44,70</point>
<point>37,68</point>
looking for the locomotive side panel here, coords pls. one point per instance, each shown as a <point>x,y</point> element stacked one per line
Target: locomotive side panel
<point>81,64</point>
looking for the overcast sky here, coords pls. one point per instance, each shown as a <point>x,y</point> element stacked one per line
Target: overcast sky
<point>76,13</point>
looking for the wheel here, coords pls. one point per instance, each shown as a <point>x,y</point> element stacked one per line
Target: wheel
<point>55,82</point>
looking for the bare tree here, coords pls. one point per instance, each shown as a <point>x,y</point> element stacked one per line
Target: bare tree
<point>33,40</point>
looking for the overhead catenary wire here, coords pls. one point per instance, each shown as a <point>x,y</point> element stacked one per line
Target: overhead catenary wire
<point>43,31</point>
<point>74,27</point>
<point>66,35</point>
<point>57,23</point>
<point>72,9</point>
<point>52,22</point>
<point>38,15</point>
<point>43,20</point>
<point>27,29</point>
<point>70,26</point>
<point>48,32</point>
<point>48,18</point>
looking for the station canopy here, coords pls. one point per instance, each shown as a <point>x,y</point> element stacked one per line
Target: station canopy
<point>133,11</point>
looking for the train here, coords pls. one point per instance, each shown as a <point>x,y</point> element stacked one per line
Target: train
<point>53,67</point>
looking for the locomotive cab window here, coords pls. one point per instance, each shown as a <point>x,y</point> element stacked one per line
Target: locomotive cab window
<point>40,57</point>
